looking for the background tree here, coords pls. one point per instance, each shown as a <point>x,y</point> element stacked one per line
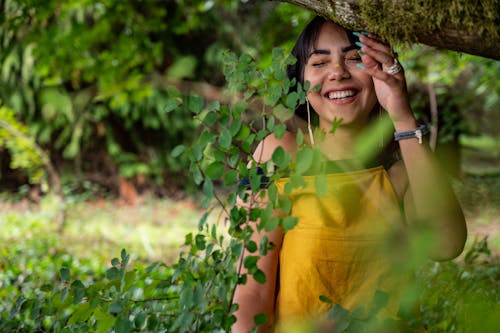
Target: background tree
<point>104,87</point>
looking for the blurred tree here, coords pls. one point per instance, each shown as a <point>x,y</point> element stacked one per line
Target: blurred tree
<point>104,85</point>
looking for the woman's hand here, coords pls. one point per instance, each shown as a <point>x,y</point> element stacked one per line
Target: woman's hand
<point>391,90</point>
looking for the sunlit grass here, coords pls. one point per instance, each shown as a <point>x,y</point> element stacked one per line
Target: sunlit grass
<point>151,230</point>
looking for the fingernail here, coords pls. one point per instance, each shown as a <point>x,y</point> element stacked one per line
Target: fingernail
<point>361,66</point>
<point>365,33</point>
<point>361,53</point>
<point>359,44</point>
<point>357,34</point>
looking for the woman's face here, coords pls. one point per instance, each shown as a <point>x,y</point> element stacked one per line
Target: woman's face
<point>346,92</point>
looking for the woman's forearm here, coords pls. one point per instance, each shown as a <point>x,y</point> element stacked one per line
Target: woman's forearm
<point>433,199</point>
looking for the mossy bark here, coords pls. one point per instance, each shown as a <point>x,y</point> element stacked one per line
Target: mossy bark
<point>461,25</point>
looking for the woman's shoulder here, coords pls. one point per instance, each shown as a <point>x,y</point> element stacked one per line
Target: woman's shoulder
<point>266,147</point>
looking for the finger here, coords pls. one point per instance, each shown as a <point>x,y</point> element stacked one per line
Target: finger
<point>375,69</point>
<point>381,57</point>
<point>375,43</point>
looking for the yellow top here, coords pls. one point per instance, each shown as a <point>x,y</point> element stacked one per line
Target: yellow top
<point>337,247</point>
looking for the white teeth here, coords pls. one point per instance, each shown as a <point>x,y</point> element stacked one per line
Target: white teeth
<point>340,94</point>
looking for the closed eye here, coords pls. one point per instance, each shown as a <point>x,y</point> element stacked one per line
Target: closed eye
<point>318,64</point>
<point>352,57</point>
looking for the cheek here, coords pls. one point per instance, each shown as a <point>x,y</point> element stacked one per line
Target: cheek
<point>370,89</point>
<point>314,78</point>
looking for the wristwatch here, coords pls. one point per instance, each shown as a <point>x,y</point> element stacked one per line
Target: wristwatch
<point>418,133</point>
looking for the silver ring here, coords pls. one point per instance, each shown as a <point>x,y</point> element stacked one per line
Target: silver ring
<point>395,68</point>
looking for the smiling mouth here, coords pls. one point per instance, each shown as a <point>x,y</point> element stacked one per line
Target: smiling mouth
<point>340,94</point>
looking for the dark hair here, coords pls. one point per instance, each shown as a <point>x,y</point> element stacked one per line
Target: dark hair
<point>304,45</point>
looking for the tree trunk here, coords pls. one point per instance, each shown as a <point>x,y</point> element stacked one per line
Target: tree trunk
<point>459,25</point>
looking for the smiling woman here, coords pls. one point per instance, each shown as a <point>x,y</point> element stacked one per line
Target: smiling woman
<point>337,252</point>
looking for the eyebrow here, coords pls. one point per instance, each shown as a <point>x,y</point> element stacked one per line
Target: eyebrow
<point>326,51</point>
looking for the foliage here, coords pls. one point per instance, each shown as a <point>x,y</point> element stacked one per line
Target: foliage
<point>195,293</point>
<point>462,298</point>
<point>102,86</point>
<point>26,155</point>
<point>467,91</point>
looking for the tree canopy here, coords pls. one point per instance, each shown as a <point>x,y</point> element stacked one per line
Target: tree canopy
<point>104,88</point>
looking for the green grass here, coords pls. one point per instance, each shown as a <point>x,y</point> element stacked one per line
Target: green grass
<point>151,230</point>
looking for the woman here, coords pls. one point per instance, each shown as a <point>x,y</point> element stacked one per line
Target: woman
<point>336,249</point>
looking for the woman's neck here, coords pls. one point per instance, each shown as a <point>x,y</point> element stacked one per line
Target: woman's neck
<point>340,145</point>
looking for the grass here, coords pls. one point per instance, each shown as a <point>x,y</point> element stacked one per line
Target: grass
<point>154,228</point>
<point>151,230</point>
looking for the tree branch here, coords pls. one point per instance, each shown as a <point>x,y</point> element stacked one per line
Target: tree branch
<point>449,26</point>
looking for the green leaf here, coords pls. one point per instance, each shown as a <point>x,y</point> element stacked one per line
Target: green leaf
<point>291,100</point>
<point>278,156</point>
<point>182,68</point>
<point>64,294</point>
<point>324,299</point>
<point>272,192</point>
<point>282,113</point>
<point>78,290</point>
<point>208,188</point>
<point>260,319</point>
<point>115,262</point>
<point>271,223</point>
<point>225,138</point>
<point>304,158</point>
<point>172,104</point>
<point>65,274</point>
<point>250,262</point>
<point>122,325</point>
<point>125,258</point>
<point>380,299</point>
<point>243,133</point>
<point>263,247</point>
<point>289,222</point>
<point>200,242</point>
<point>215,170</point>
<point>270,124</point>
<point>285,205</point>
<point>104,320</point>
<point>177,151</point>
<point>230,178</point>
<point>259,276</point>
<point>82,313</point>
<point>116,307</point>
<point>213,106</point>
<point>299,138</point>
<point>251,246</point>
<point>196,104</point>
<point>112,273</point>
<point>152,323</point>
<point>320,184</point>
<point>279,131</point>
<point>273,95</point>
<point>140,320</point>
<point>201,223</point>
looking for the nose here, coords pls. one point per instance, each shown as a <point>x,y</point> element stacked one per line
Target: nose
<point>338,71</point>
